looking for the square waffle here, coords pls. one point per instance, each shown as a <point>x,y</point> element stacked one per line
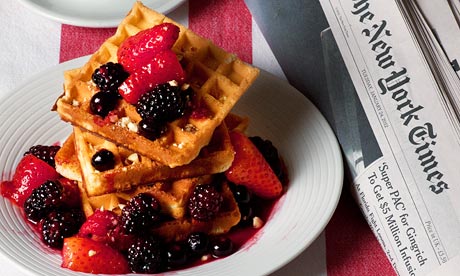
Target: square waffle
<point>73,161</point>
<point>173,197</point>
<point>218,78</point>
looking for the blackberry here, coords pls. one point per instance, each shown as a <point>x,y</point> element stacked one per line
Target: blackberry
<point>270,153</point>
<point>45,153</point>
<point>43,200</point>
<point>109,76</point>
<point>150,129</point>
<point>205,202</point>
<point>164,103</point>
<point>140,213</point>
<point>102,103</point>
<point>103,160</point>
<point>60,224</point>
<point>146,256</point>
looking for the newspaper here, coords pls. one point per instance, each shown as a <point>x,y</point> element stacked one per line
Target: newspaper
<point>397,120</point>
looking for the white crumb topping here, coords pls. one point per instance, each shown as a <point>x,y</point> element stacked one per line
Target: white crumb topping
<point>185,86</point>
<point>92,252</point>
<point>127,123</point>
<point>133,158</point>
<point>75,103</point>
<point>180,145</point>
<point>173,83</point>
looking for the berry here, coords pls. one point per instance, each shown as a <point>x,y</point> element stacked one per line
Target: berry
<point>221,247</point>
<point>30,173</point>
<point>103,160</point>
<point>43,200</point>
<point>109,76</point>
<point>270,153</point>
<point>205,202</point>
<point>60,224</point>
<point>151,129</point>
<point>249,168</point>
<point>164,67</point>
<point>164,103</point>
<point>198,243</point>
<point>139,49</point>
<point>240,193</point>
<point>247,214</point>
<point>85,255</point>
<point>146,256</point>
<point>102,103</point>
<point>45,153</point>
<point>176,255</point>
<point>140,213</point>
<point>99,226</point>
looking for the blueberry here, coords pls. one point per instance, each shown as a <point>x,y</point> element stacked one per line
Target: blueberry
<point>102,103</point>
<point>103,160</point>
<point>198,243</point>
<point>221,247</point>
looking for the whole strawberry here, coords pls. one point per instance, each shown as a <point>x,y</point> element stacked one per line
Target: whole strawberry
<point>164,67</point>
<point>30,173</point>
<point>249,168</point>
<point>141,48</point>
<point>86,255</point>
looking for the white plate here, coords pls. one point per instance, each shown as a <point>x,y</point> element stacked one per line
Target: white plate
<point>277,112</point>
<point>94,13</point>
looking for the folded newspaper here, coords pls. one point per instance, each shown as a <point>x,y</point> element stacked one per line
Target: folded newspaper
<point>396,108</point>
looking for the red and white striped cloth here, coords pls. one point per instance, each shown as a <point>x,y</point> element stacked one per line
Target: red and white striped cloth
<point>31,43</point>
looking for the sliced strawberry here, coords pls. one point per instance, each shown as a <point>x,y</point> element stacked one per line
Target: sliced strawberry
<point>30,173</point>
<point>249,168</point>
<point>163,68</point>
<point>141,48</point>
<point>86,255</point>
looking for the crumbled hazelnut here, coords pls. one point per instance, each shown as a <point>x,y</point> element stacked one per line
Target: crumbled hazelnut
<point>92,253</point>
<point>190,128</point>
<point>257,222</point>
<point>133,158</point>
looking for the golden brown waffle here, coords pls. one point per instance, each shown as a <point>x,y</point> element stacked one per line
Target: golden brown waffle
<point>218,78</point>
<point>132,169</point>
<point>173,197</point>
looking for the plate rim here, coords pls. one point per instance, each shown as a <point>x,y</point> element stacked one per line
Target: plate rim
<point>337,156</point>
<point>75,20</point>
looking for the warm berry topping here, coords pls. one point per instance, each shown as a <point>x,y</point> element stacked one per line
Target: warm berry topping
<point>221,247</point>
<point>60,224</point>
<point>103,160</point>
<point>102,103</point>
<point>176,255</point>
<point>140,214</point>
<point>164,103</point>
<point>45,153</point>
<point>109,76</point>
<point>198,243</point>
<point>205,202</point>
<point>151,129</point>
<point>43,200</point>
<point>270,153</point>
<point>146,256</point>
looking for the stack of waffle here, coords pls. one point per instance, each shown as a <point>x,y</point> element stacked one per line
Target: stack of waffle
<point>192,151</point>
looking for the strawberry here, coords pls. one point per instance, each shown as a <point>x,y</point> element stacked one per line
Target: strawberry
<point>104,226</point>
<point>30,173</point>
<point>163,68</point>
<point>249,168</point>
<point>141,48</point>
<point>86,255</point>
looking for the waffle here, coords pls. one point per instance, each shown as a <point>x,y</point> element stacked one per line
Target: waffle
<point>173,197</point>
<point>132,169</point>
<point>218,78</point>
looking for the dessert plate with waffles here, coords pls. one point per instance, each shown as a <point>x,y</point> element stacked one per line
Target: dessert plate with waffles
<point>162,153</point>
